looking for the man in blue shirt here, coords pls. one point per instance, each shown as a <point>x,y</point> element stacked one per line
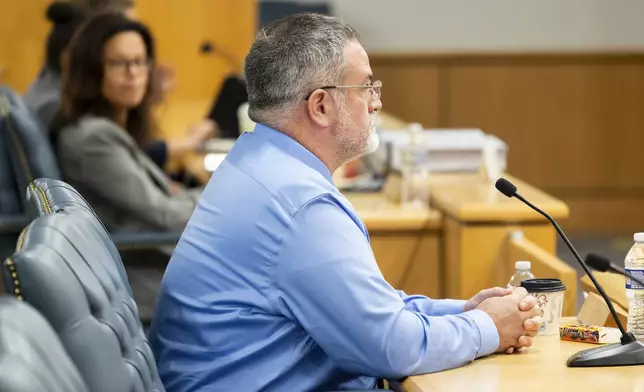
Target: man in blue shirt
<point>273,285</point>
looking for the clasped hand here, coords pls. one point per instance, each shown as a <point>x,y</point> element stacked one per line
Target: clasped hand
<point>514,313</point>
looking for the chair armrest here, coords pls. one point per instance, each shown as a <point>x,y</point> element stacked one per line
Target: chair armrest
<point>13,224</point>
<point>144,240</point>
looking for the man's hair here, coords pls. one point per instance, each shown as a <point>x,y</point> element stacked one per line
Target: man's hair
<point>289,59</point>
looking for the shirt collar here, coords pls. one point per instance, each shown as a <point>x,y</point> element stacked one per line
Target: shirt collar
<point>294,148</point>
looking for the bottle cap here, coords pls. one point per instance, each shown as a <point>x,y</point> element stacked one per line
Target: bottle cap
<point>638,237</point>
<point>522,265</point>
<point>416,127</point>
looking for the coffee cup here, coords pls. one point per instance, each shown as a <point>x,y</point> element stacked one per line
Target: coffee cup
<point>549,294</point>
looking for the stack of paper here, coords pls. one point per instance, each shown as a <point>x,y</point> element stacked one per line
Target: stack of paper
<point>449,150</point>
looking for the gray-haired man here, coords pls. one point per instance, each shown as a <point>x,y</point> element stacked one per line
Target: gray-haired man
<point>273,286</point>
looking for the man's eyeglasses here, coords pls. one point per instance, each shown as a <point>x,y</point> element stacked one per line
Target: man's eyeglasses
<point>373,89</point>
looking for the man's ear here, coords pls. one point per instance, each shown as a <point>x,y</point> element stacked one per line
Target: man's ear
<point>320,108</point>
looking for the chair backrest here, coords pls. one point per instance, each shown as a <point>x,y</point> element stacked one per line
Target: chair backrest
<point>63,268</point>
<point>9,196</point>
<point>46,196</point>
<point>32,357</point>
<point>30,150</point>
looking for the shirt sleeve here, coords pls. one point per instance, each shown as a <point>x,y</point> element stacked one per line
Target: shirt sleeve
<point>327,280</point>
<point>432,307</point>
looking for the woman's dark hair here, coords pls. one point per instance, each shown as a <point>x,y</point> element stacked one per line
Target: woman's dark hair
<point>83,76</point>
<point>94,7</point>
<point>66,19</point>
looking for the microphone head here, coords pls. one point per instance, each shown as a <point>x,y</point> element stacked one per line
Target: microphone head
<point>598,262</point>
<point>506,187</point>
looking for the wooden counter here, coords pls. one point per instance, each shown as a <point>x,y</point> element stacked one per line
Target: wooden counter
<point>405,242</point>
<point>471,198</point>
<point>536,369</point>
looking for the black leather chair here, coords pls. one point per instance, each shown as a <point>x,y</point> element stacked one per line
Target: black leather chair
<point>32,358</point>
<point>66,267</point>
<point>28,155</point>
<point>45,196</point>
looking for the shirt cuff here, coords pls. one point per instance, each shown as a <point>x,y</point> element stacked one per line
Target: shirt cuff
<point>488,334</point>
<point>449,306</point>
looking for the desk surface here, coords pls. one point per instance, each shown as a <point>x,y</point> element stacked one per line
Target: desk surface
<point>378,213</point>
<point>470,197</point>
<point>539,368</point>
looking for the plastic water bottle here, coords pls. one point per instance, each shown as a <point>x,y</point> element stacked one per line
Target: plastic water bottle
<point>415,170</point>
<point>522,272</point>
<point>634,265</point>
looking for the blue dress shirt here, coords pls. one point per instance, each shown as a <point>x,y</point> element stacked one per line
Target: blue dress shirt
<point>274,287</point>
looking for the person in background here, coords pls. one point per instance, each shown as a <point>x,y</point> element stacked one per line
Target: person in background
<point>161,151</point>
<point>105,117</point>
<point>43,96</point>
<point>274,285</point>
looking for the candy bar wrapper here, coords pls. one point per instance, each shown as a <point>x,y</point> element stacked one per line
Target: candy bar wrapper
<point>588,333</point>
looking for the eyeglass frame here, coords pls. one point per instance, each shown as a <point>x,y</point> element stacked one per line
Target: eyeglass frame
<point>125,65</point>
<point>376,84</point>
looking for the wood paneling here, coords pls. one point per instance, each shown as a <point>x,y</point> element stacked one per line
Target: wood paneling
<point>559,120</point>
<point>412,90</point>
<point>572,121</point>
<point>23,29</point>
<point>181,27</point>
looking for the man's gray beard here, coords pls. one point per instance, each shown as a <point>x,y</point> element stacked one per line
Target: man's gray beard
<point>354,148</point>
<point>373,142</point>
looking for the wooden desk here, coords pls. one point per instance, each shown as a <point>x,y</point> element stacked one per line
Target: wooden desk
<point>405,242</point>
<point>539,368</point>
<point>477,223</point>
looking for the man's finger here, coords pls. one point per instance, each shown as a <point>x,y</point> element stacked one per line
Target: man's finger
<point>509,350</point>
<point>527,303</point>
<point>532,324</point>
<point>519,293</point>
<point>525,341</point>
<point>495,292</point>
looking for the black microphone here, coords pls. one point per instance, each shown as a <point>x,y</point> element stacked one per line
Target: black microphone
<point>602,264</point>
<point>629,351</point>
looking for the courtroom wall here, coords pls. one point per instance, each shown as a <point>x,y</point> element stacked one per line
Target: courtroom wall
<point>573,122</point>
<point>495,25</point>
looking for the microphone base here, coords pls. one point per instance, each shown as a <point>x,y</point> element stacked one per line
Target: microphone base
<point>616,354</point>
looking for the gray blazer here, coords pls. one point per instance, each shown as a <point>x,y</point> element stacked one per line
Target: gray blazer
<point>118,179</point>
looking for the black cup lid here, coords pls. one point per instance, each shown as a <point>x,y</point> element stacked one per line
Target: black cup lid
<point>543,285</point>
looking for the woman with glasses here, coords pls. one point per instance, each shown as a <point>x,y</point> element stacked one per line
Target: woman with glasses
<point>105,117</point>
